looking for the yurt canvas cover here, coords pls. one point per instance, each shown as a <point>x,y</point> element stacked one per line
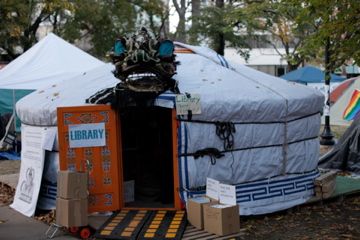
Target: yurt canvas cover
<point>273,161</point>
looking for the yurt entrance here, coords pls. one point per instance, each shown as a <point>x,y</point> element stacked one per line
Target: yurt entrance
<point>149,168</point>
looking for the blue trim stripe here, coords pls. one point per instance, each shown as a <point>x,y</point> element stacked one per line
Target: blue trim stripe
<point>266,190</point>
<point>167,97</point>
<point>275,181</point>
<point>246,193</point>
<point>183,164</point>
<point>179,162</point>
<point>48,191</point>
<point>186,159</point>
<point>223,61</point>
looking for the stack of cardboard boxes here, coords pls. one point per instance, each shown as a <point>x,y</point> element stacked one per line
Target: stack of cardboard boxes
<point>72,199</point>
<point>217,212</point>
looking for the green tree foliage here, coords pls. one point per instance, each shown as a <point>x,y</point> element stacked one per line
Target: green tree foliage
<point>272,22</point>
<point>153,14</point>
<point>216,26</point>
<point>93,24</point>
<point>337,25</point>
<point>98,23</point>
<point>20,20</point>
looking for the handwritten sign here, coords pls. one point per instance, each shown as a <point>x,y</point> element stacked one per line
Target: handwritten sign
<point>212,188</point>
<point>185,103</point>
<point>87,135</point>
<point>227,194</point>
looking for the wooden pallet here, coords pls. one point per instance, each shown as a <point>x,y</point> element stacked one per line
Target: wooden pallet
<point>192,233</point>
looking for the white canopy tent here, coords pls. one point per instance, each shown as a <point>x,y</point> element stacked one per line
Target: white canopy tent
<point>274,158</point>
<point>49,61</point>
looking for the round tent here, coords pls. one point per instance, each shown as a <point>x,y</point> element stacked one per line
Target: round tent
<point>273,159</point>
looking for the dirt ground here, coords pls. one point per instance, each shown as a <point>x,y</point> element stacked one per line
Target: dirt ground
<point>9,166</point>
<point>333,219</point>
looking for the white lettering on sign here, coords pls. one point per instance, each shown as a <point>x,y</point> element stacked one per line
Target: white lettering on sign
<point>227,194</point>
<point>212,188</point>
<point>185,103</point>
<point>87,135</point>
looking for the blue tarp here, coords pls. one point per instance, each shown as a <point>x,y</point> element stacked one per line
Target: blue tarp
<point>9,155</point>
<point>310,74</point>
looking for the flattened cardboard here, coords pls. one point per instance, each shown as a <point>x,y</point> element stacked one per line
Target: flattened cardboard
<point>221,219</point>
<point>71,212</point>
<point>72,185</point>
<point>194,207</point>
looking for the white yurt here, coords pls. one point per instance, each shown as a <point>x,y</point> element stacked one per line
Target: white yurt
<point>272,154</point>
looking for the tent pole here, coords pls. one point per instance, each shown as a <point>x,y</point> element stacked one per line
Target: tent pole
<point>327,137</point>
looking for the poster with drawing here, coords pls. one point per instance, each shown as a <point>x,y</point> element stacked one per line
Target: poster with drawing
<point>32,164</point>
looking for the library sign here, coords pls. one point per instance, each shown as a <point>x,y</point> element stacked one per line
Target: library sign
<point>87,135</point>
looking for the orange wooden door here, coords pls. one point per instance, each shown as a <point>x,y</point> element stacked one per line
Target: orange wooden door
<point>103,163</point>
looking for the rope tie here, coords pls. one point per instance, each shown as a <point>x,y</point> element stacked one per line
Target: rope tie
<point>225,131</point>
<point>213,153</point>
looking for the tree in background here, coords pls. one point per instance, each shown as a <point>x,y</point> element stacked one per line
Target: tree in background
<point>21,19</point>
<point>96,24</point>
<point>272,24</point>
<point>195,14</point>
<point>181,8</point>
<point>337,34</point>
<point>155,15</point>
<point>92,24</point>
<point>217,27</point>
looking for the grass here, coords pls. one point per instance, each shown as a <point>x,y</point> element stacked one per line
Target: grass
<point>337,130</point>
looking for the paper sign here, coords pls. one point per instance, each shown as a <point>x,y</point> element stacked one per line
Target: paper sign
<point>227,194</point>
<point>212,188</point>
<point>49,138</point>
<point>185,103</point>
<point>31,170</point>
<point>87,135</point>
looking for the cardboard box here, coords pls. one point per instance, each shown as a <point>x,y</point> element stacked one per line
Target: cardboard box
<point>195,212</point>
<point>71,212</point>
<point>221,219</point>
<point>72,185</point>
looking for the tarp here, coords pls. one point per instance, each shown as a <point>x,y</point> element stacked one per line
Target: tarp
<point>310,74</point>
<point>49,61</point>
<point>274,158</point>
<point>338,107</point>
<point>345,155</point>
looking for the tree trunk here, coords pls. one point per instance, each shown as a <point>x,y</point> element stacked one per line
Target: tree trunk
<point>180,30</point>
<point>219,40</point>
<point>195,13</point>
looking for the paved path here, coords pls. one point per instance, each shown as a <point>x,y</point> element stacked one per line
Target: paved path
<point>15,226</point>
<point>10,179</point>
